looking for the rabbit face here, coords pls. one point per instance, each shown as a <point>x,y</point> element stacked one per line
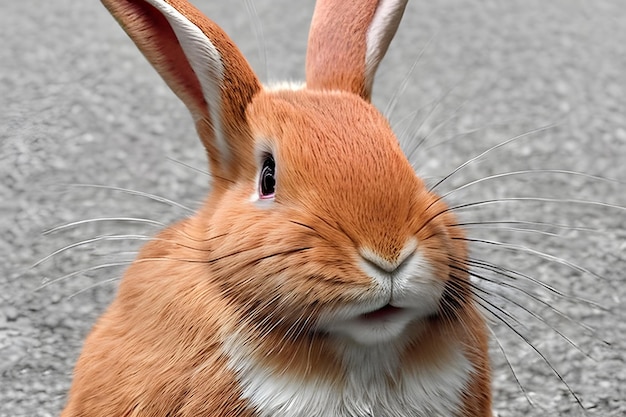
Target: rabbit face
<point>350,242</point>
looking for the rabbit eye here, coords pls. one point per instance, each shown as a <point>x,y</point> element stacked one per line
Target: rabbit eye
<point>267,180</point>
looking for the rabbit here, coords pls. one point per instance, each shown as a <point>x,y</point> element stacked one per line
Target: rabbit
<point>320,277</point>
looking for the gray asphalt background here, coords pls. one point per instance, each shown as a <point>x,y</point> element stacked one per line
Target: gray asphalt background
<point>80,105</point>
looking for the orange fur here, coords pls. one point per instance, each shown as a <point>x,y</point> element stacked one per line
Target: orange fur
<point>154,352</point>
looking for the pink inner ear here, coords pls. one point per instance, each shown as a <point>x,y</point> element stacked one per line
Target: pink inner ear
<point>157,41</point>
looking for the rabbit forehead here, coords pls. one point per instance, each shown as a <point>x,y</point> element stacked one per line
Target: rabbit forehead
<point>312,130</point>
<point>336,153</point>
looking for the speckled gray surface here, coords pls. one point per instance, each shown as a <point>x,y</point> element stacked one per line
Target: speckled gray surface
<point>81,106</point>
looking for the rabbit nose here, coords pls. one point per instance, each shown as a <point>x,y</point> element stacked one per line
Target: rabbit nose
<point>389,264</point>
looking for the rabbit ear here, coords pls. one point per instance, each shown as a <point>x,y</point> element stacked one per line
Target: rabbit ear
<point>347,41</point>
<point>203,67</point>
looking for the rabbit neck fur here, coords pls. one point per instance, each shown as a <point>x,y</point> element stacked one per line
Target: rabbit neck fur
<point>374,383</point>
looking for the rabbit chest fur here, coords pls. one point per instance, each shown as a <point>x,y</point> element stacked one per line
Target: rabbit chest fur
<point>366,390</point>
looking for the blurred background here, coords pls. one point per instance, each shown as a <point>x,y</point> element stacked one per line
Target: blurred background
<point>89,133</point>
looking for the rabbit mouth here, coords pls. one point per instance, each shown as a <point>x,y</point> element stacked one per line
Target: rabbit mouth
<point>387,312</point>
<point>381,325</point>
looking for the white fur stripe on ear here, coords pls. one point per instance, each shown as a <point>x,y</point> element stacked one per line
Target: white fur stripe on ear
<point>206,62</point>
<point>380,33</point>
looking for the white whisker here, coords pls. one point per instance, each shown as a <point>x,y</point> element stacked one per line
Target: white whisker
<point>83,271</point>
<point>87,242</point>
<point>529,172</point>
<point>391,105</point>
<point>102,219</point>
<point>536,200</point>
<point>153,197</point>
<point>543,255</point>
<point>493,148</point>
<point>186,165</point>
<point>257,28</point>
<point>97,284</point>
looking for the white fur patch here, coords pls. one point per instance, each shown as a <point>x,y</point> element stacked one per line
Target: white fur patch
<point>285,85</point>
<point>206,62</point>
<point>431,391</point>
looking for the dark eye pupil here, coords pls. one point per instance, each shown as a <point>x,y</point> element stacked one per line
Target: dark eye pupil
<point>268,178</point>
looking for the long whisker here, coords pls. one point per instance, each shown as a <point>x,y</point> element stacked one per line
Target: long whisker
<point>514,275</point>
<point>391,105</point>
<point>540,254</point>
<point>541,355</point>
<point>515,199</point>
<point>535,200</point>
<point>496,224</point>
<point>527,172</point>
<point>493,148</point>
<point>97,284</point>
<point>525,230</point>
<point>164,258</point>
<point>83,271</point>
<point>126,263</point>
<point>128,219</point>
<point>484,301</point>
<point>467,132</point>
<point>137,193</point>
<point>186,165</point>
<point>403,136</point>
<point>524,308</point>
<point>88,241</point>
<point>424,139</point>
<point>102,219</point>
<point>114,238</point>
<point>430,113</point>
<point>257,28</point>
<point>510,366</point>
<point>454,113</point>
